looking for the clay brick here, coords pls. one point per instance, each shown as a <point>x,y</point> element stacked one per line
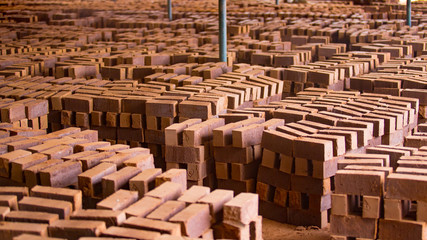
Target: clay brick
<point>18,166</point>
<point>322,150</point>
<point>194,220</point>
<point>144,181</point>
<point>194,194</point>
<point>165,211</point>
<point>143,207</point>
<point>173,175</point>
<point>31,217</point>
<point>243,208</point>
<point>399,230</point>
<point>32,174</point>
<point>153,225</point>
<point>7,158</point>
<point>95,159</point>
<point>69,195</point>
<point>119,200</point>
<point>166,191</point>
<point>62,208</point>
<point>355,182</point>
<point>111,218</point>
<point>61,175</point>
<point>197,134</point>
<point>116,180</point>
<point>401,186</point>
<point>122,232</point>
<point>354,226</point>
<point>216,200</point>
<point>278,142</point>
<point>10,201</point>
<point>74,229</point>
<point>9,230</point>
<point>173,133</point>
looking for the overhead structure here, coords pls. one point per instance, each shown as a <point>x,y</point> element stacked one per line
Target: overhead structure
<point>222,30</point>
<point>408,12</point>
<point>170,9</point>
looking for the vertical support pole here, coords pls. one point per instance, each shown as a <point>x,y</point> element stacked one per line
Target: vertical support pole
<point>170,9</point>
<point>408,12</point>
<point>277,2</point>
<point>222,4</point>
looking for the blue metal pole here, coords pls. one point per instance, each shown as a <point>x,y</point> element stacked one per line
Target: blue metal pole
<point>277,2</point>
<point>408,12</point>
<point>170,9</point>
<point>222,30</point>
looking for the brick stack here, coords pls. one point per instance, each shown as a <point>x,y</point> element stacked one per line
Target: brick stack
<point>357,201</point>
<point>162,212</point>
<point>29,112</point>
<point>237,152</point>
<point>189,146</point>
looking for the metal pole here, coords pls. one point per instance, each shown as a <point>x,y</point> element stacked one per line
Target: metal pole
<point>408,12</point>
<point>170,9</point>
<point>222,30</point>
<point>277,2</point>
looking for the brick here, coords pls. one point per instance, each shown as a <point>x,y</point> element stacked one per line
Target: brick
<point>173,175</point>
<point>116,180</point>
<point>31,217</point>
<point>18,167</point>
<point>62,208</point>
<point>111,218</point>
<point>58,152</point>
<point>10,201</point>
<point>122,232</point>
<point>119,200</point>
<point>194,194</point>
<point>74,229</point>
<point>216,200</point>
<point>355,182</point>
<point>173,133</point>
<point>354,226</point>
<point>7,158</point>
<point>278,142</point>
<point>70,195</point>
<point>165,211</point>
<point>9,230</point>
<point>197,134</point>
<point>243,208</point>
<point>143,207</point>
<point>91,146</point>
<point>390,229</point>
<point>153,225</point>
<point>32,174</point>
<point>321,149</point>
<point>401,186</point>
<point>166,191</point>
<point>61,175</point>
<point>95,159</point>
<point>144,181</point>
<point>194,220</point>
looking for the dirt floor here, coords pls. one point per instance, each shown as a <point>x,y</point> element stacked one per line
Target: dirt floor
<point>272,230</point>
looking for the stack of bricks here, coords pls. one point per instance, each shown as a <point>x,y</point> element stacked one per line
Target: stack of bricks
<point>26,113</point>
<point>295,184</point>
<point>165,211</point>
<point>375,202</point>
<point>189,146</point>
<point>418,138</point>
<point>358,203</point>
<point>237,152</point>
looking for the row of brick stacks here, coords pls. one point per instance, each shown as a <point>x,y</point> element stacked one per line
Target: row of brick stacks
<point>295,185</point>
<point>118,193</point>
<point>374,201</point>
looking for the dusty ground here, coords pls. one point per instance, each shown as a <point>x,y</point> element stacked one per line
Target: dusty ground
<point>272,230</point>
